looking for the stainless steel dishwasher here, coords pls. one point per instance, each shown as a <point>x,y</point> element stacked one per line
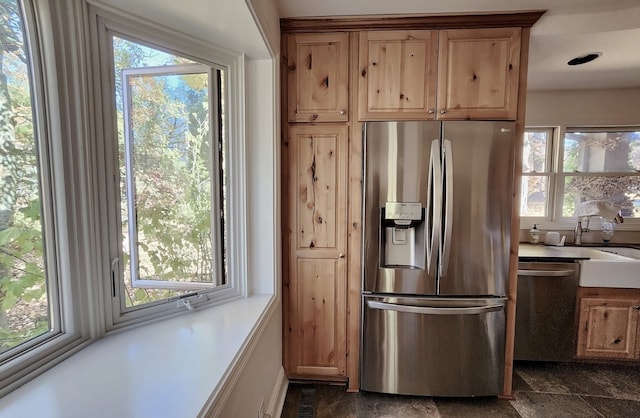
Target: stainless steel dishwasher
<point>545,310</point>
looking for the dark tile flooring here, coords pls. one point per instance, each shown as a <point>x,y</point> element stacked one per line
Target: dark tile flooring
<point>543,390</point>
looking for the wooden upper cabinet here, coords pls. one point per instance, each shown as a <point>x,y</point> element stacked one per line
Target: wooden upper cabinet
<point>478,73</point>
<point>318,77</point>
<point>397,74</point>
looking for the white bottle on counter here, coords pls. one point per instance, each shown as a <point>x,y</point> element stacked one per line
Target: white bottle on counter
<point>534,235</point>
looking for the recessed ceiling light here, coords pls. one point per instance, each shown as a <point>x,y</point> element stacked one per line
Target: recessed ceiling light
<point>583,59</point>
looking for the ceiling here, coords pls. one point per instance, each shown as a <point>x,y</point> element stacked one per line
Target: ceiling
<point>568,29</point>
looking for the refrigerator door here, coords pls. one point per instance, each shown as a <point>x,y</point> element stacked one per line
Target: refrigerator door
<point>398,216</point>
<point>478,169</point>
<point>433,346</point>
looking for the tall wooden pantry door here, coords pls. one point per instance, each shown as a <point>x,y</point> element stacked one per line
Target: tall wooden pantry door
<point>317,282</point>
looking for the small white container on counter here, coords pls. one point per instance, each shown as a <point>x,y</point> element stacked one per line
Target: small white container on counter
<point>553,238</point>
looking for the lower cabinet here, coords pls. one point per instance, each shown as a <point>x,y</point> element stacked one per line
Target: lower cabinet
<point>609,323</point>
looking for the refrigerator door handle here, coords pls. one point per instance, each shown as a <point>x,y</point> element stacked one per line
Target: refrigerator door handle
<point>434,203</point>
<point>429,310</point>
<point>448,209</point>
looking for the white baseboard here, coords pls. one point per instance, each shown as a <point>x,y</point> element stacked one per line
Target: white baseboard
<point>276,403</point>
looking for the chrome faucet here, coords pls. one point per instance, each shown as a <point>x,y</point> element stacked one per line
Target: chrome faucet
<point>577,233</point>
<point>606,210</point>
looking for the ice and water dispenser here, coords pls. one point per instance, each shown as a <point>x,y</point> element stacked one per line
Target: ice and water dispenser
<point>402,238</point>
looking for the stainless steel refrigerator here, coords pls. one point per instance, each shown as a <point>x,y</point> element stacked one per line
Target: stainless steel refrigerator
<point>436,244</point>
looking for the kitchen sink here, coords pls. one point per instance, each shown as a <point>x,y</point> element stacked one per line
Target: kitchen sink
<point>611,267</point>
<point>623,251</point>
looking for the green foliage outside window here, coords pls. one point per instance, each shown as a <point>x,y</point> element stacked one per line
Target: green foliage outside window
<point>171,165</point>
<point>24,306</point>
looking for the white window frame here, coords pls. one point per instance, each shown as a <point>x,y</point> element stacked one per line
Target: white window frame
<point>105,24</point>
<point>550,173</point>
<point>562,175</point>
<point>556,195</point>
<point>216,214</point>
<point>72,92</point>
<point>64,187</point>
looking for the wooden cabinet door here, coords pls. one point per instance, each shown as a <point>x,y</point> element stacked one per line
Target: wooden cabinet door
<point>318,73</point>
<point>317,286</point>
<point>608,328</point>
<point>397,74</point>
<point>478,74</point>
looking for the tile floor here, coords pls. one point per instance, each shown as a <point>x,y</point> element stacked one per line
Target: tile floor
<point>541,390</point>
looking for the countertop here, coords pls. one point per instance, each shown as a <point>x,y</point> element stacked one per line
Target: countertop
<point>541,252</point>
<point>533,252</point>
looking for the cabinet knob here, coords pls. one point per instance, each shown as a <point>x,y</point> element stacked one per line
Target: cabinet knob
<point>431,111</point>
<point>342,111</point>
<point>341,255</point>
<point>636,307</point>
<point>443,111</point>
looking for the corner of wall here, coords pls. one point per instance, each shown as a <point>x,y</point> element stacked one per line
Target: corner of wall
<point>257,377</point>
<point>265,13</point>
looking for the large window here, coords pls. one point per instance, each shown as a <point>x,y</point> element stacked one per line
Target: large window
<point>28,280</point>
<point>601,165</point>
<point>170,149</point>
<point>43,189</point>
<point>121,178</point>
<point>166,145</point>
<point>537,175</point>
<point>585,164</point>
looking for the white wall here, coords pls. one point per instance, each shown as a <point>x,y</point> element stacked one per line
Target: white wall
<point>263,171</point>
<point>262,378</point>
<point>615,107</point>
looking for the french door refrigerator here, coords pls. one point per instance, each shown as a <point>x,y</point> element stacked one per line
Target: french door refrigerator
<point>436,244</point>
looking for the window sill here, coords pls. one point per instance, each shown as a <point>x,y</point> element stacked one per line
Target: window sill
<point>165,369</point>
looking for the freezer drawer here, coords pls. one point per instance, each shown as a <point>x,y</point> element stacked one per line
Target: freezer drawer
<point>433,346</point>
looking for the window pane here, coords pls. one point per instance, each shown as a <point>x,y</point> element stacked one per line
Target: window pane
<point>24,300</point>
<point>621,190</point>
<point>533,201</point>
<point>534,153</point>
<point>168,167</point>
<point>589,152</point>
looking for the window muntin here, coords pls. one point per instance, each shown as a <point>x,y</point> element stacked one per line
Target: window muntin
<point>171,170</point>
<point>29,303</point>
<point>601,164</point>
<point>537,173</point>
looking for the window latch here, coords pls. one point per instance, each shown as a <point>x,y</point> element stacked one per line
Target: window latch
<point>189,300</point>
<point>114,265</point>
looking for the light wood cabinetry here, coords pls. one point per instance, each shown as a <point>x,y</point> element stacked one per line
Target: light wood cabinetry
<point>477,74</point>
<point>316,283</point>
<point>318,75</point>
<point>609,323</point>
<point>397,74</point>
<point>336,74</point>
